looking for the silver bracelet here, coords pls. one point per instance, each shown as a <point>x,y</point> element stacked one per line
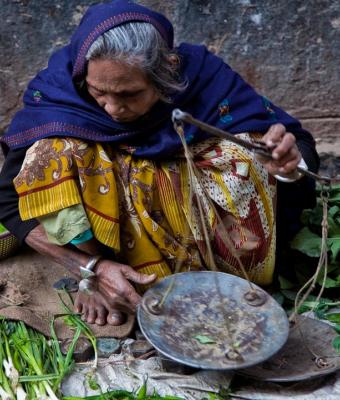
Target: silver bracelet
<point>87,270</point>
<point>86,284</point>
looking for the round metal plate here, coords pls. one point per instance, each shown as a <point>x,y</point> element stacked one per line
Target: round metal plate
<point>209,320</point>
<point>295,361</point>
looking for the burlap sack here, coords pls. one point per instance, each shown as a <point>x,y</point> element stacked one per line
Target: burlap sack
<point>27,294</point>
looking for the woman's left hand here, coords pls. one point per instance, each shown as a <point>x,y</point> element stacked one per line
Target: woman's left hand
<point>286,155</point>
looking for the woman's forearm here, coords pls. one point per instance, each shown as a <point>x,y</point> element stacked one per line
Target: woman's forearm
<point>71,259</point>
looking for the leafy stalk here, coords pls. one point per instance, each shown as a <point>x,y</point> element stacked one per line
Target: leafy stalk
<point>28,347</point>
<point>74,321</point>
<point>64,363</point>
<point>5,386</point>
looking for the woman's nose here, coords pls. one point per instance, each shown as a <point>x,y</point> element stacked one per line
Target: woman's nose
<point>113,106</point>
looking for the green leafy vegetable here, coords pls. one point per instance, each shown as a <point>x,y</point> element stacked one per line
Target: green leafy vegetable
<point>334,317</point>
<point>204,339</point>
<point>336,343</point>
<point>307,242</point>
<point>125,395</point>
<point>285,284</point>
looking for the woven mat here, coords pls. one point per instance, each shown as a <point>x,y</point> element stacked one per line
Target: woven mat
<point>27,294</point>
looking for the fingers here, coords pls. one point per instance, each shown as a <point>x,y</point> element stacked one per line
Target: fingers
<point>285,147</point>
<point>124,298</point>
<point>113,282</point>
<point>286,155</point>
<point>129,292</point>
<point>136,277</point>
<point>274,135</point>
<point>125,295</point>
<point>289,164</point>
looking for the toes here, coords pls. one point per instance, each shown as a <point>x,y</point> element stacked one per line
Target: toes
<point>115,318</point>
<point>101,316</point>
<point>78,305</point>
<point>95,310</point>
<point>84,312</point>
<point>91,315</point>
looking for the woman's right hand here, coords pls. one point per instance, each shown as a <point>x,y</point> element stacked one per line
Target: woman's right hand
<point>113,280</point>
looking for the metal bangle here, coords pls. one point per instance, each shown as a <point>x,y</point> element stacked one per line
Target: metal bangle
<point>86,286</point>
<point>87,270</point>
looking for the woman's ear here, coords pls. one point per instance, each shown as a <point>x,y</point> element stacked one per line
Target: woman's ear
<point>174,60</point>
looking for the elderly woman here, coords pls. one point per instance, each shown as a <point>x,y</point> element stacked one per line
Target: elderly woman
<point>99,170</point>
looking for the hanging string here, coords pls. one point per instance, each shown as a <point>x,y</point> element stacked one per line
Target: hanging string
<point>194,174</point>
<point>192,184</point>
<point>309,286</point>
<point>193,178</point>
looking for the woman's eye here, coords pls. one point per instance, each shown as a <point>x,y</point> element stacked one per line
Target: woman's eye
<point>94,92</point>
<point>130,94</point>
<point>98,94</point>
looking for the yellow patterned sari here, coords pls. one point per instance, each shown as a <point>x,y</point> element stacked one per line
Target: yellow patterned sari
<point>143,209</point>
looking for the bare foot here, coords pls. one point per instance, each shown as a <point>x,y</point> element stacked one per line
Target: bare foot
<point>115,317</point>
<point>96,310</point>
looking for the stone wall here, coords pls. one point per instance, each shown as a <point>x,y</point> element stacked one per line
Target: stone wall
<point>289,50</point>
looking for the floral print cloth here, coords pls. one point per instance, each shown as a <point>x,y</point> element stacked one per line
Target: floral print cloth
<point>147,211</point>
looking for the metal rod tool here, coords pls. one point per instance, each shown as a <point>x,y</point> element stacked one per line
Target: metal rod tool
<point>258,147</point>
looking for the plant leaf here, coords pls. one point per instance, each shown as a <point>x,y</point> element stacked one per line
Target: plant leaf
<point>204,339</point>
<point>278,297</point>
<point>285,283</point>
<point>141,395</point>
<point>333,211</point>
<point>334,244</point>
<point>331,283</point>
<point>336,343</point>
<point>333,317</point>
<point>289,294</point>
<point>307,242</point>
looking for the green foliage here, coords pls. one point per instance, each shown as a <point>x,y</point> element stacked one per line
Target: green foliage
<point>2,229</point>
<point>336,343</point>
<point>302,260</point>
<point>125,395</point>
<point>93,384</point>
<point>142,395</point>
<point>223,394</point>
<point>308,240</point>
<point>333,317</point>
<point>31,363</point>
<point>306,250</point>
<point>204,339</point>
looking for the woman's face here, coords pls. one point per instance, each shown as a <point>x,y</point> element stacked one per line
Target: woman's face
<point>122,90</point>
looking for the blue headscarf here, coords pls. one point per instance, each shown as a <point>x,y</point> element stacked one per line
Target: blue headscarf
<point>215,94</point>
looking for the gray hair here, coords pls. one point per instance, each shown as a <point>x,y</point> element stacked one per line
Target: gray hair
<point>141,45</point>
